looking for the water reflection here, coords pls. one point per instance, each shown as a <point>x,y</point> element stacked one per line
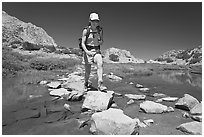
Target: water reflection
<point>182,77</point>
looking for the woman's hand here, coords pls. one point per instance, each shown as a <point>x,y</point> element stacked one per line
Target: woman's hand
<point>90,52</point>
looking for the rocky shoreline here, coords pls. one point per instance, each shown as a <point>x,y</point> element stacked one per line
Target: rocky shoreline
<point>66,104</point>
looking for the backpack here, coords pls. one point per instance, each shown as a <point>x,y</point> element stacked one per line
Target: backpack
<point>87,35</point>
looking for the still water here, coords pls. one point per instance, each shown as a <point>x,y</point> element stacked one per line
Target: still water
<point>173,83</point>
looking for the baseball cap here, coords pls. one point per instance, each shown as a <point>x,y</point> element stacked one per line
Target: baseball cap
<point>94,16</point>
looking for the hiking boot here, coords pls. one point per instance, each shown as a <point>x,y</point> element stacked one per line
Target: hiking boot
<point>101,87</point>
<point>87,85</point>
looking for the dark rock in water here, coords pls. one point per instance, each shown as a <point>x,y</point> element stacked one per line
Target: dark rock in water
<point>27,113</point>
<point>20,34</point>
<point>194,128</point>
<point>187,102</point>
<point>54,117</point>
<point>197,118</point>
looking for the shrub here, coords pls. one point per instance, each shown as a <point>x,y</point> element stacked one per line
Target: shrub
<point>184,55</point>
<point>114,57</point>
<point>52,63</point>
<point>195,60</point>
<point>13,61</point>
<point>30,46</point>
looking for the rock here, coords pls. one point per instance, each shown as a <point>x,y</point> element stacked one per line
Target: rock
<point>194,128</point>
<point>170,99</point>
<point>73,78</point>
<point>148,122</point>
<point>63,79</point>
<point>139,86</point>
<point>197,118</point>
<point>144,89</point>
<point>43,82</point>
<point>112,122</point>
<point>130,102</point>
<point>60,92</point>
<point>170,109</point>
<point>54,84</point>
<point>185,115</point>
<point>77,85</point>
<point>114,105</point>
<point>67,107</point>
<point>34,96</point>
<point>197,109</point>
<point>117,94</point>
<point>187,102</point>
<point>75,96</point>
<point>159,100</point>
<point>98,101</point>
<point>158,95</point>
<point>114,77</point>
<point>131,83</point>
<point>152,107</point>
<point>136,97</point>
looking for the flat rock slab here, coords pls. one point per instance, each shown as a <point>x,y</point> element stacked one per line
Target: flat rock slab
<point>197,109</point>
<point>54,84</point>
<point>136,97</point>
<point>77,85</point>
<point>59,92</point>
<point>194,128</point>
<point>158,95</point>
<point>170,99</point>
<point>96,100</point>
<point>152,107</point>
<point>114,77</point>
<point>144,89</point>
<point>187,102</point>
<point>27,113</point>
<point>112,122</point>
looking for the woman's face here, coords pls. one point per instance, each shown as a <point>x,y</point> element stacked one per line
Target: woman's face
<point>94,23</point>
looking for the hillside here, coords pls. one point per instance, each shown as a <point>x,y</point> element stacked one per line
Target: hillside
<point>181,57</point>
<point>115,55</point>
<point>16,33</point>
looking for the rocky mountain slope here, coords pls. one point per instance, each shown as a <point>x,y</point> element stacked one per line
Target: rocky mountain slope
<point>181,57</point>
<point>115,55</point>
<point>16,33</point>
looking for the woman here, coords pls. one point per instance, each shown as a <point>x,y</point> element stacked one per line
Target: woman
<point>91,47</point>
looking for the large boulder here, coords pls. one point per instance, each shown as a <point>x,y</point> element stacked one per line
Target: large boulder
<point>152,107</point>
<point>197,109</point>
<point>113,122</point>
<point>194,128</point>
<point>30,37</point>
<point>98,101</point>
<point>187,102</point>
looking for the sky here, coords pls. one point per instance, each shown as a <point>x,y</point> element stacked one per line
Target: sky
<point>145,29</point>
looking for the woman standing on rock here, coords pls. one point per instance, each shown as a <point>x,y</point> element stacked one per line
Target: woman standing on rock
<point>92,38</point>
